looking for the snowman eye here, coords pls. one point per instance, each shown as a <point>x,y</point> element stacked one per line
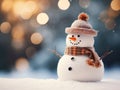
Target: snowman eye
<point>78,35</point>
<point>72,35</point>
<point>69,68</point>
<point>72,58</point>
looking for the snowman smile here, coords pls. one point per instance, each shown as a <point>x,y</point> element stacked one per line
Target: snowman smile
<point>75,43</point>
<point>74,39</point>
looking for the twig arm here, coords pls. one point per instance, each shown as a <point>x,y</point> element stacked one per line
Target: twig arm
<point>55,52</point>
<point>105,54</point>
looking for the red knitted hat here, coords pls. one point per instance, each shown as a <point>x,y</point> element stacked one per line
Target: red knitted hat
<point>81,26</point>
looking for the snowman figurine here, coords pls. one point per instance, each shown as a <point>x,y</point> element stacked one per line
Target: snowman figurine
<point>80,61</point>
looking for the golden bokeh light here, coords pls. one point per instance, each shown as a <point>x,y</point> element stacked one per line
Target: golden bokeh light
<point>18,7</point>
<point>6,5</point>
<point>5,27</point>
<point>18,32</point>
<point>36,38</point>
<point>22,64</point>
<point>29,9</point>
<point>112,14</point>
<point>42,18</point>
<point>30,6</point>
<point>115,5</point>
<point>63,4</point>
<point>24,9</point>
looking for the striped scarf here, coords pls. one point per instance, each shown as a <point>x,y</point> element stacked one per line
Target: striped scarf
<point>76,51</point>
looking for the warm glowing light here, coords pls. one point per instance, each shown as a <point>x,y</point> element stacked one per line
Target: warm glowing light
<point>6,5</point>
<point>30,51</point>
<point>36,38</point>
<point>18,32</point>
<point>18,37</point>
<point>115,5</point>
<point>5,27</point>
<point>112,14</point>
<point>25,9</point>
<point>63,4</point>
<point>28,10</point>
<point>30,6</point>
<point>84,3</point>
<point>18,7</point>
<point>42,18</point>
<point>22,64</point>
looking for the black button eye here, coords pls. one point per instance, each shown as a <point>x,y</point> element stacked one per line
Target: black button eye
<point>78,35</point>
<point>69,68</point>
<point>72,35</point>
<point>72,58</point>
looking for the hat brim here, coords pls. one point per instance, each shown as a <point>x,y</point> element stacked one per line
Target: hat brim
<point>71,30</point>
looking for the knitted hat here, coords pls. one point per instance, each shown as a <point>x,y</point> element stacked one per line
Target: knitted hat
<point>81,26</point>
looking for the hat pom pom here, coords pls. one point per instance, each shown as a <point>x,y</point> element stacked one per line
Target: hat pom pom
<point>83,16</point>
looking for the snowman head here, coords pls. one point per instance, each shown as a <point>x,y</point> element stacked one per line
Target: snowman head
<point>80,33</point>
<point>79,40</point>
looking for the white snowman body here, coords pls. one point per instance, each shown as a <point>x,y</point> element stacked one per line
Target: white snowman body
<point>78,69</point>
<point>75,67</point>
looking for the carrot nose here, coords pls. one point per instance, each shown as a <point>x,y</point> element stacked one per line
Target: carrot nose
<point>72,38</point>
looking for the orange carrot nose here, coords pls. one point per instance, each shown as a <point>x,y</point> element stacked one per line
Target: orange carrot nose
<point>72,38</point>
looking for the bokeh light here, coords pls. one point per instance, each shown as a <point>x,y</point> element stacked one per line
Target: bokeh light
<point>42,18</point>
<point>30,6</point>
<point>30,51</point>
<point>18,33</point>
<point>25,9</point>
<point>110,24</point>
<point>36,38</point>
<point>84,3</point>
<point>21,64</point>
<point>112,14</point>
<point>18,7</point>
<point>63,4</point>
<point>108,18</point>
<point>6,5</point>
<point>29,9</point>
<point>115,5</point>
<point>5,27</point>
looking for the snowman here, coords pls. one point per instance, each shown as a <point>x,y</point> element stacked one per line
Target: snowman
<point>80,61</point>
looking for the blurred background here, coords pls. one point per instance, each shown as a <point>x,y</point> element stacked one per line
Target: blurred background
<point>30,29</point>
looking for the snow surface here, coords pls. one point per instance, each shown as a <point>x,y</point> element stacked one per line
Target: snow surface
<point>53,84</point>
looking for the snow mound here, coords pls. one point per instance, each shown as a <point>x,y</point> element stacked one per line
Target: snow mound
<point>52,84</point>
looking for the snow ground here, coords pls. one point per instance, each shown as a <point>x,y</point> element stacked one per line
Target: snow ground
<point>45,80</point>
<point>53,84</point>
